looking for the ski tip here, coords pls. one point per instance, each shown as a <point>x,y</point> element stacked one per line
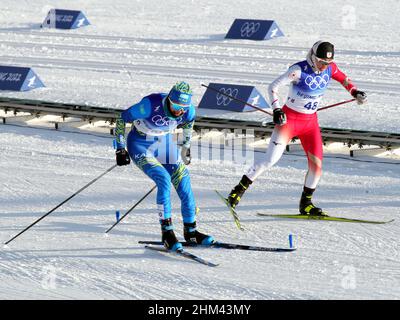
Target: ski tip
<point>151,246</point>
<point>213,264</point>
<point>290,249</point>
<point>156,248</point>
<point>380,222</point>
<point>222,198</point>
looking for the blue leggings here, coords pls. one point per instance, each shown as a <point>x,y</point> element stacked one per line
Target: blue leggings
<point>159,158</point>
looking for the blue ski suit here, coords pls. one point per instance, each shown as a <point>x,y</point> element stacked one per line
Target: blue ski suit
<point>151,146</point>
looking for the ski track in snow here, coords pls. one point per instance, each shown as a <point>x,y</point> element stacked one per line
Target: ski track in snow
<point>119,70</point>
<point>115,62</point>
<point>135,56</point>
<point>71,241</point>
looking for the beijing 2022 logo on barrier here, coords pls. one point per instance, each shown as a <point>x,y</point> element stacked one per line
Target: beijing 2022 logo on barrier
<point>317,82</point>
<point>248,29</point>
<point>223,99</point>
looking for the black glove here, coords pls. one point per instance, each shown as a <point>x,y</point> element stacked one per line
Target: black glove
<point>185,155</point>
<point>122,157</point>
<point>279,117</point>
<point>360,96</point>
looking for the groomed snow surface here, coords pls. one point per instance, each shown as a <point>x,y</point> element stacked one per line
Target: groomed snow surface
<point>138,47</point>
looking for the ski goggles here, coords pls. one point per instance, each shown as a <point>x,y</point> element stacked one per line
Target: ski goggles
<point>323,62</point>
<point>177,106</point>
<point>179,100</point>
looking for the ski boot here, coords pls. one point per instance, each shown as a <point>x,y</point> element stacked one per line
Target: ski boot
<point>192,236</point>
<point>306,207</point>
<point>168,237</point>
<point>238,191</point>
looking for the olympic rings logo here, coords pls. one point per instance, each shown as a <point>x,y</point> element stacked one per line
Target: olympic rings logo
<point>160,121</point>
<point>222,96</point>
<point>249,28</point>
<point>318,82</point>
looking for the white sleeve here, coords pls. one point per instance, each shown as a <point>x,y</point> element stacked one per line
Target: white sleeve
<point>293,74</point>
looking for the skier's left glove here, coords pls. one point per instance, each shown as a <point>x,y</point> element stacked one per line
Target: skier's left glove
<point>185,154</point>
<point>122,157</point>
<point>279,117</point>
<point>360,96</point>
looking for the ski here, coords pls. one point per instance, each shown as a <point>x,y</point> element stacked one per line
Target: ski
<point>326,218</point>
<point>232,211</point>
<point>226,246</point>
<point>184,254</point>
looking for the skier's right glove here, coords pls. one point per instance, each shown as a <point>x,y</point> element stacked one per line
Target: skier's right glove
<point>279,117</point>
<point>122,157</point>
<point>185,155</point>
<point>360,96</point>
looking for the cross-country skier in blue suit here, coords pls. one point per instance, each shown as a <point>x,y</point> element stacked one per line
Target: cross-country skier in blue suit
<point>151,146</point>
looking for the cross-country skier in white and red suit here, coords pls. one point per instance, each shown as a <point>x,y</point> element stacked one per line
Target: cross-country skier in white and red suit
<point>308,81</point>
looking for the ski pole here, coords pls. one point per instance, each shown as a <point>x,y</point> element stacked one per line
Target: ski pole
<point>133,207</point>
<point>336,104</point>
<point>262,110</point>
<point>241,101</point>
<point>59,205</point>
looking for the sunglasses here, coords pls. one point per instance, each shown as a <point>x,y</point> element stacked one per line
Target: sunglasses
<point>323,62</point>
